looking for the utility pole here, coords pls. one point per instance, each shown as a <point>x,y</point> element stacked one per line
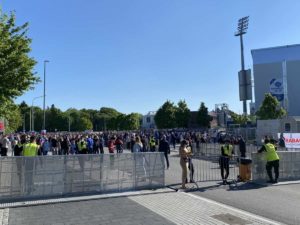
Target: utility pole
<point>44,103</point>
<point>241,30</point>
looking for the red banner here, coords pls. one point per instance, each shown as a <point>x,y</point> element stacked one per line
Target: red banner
<point>2,126</point>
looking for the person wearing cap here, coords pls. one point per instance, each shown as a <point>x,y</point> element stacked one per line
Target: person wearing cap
<point>226,154</point>
<point>272,159</point>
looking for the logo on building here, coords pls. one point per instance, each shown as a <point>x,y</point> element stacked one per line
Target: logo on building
<point>276,89</point>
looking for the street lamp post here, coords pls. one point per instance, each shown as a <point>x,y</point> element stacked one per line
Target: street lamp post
<point>241,30</point>
<point>32,113</point>
<point>24,122</point>
<point>44,103</point>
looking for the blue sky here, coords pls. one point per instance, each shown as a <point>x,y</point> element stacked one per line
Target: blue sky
<point>134,55</point>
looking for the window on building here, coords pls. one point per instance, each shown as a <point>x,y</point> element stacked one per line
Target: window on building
<point>298,126</point>
<point>148,120</point>
<point>287,127</point>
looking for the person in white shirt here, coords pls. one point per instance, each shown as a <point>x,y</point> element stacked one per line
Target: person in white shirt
<point>5,144</point>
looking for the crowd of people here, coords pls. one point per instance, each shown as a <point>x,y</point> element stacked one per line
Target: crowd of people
<point>95,143</point>
<point>26,144</point>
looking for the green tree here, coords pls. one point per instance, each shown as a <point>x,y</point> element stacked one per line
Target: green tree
<point>55,120</point>
<point>16,65</point>
<point>239,119</point>
<point>84,123</point>
<point>203,117</point>
<point>270,108</point>
<point>165,116</point>
<point>131,121</point>
<point>12,116</point>
<point>182,114</point>
<point>109,116</point>
<point>25,114</point>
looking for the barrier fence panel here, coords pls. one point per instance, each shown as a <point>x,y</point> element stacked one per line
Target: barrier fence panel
<point>289,167</point>
<point>215,149</point>
<point>45,176</point>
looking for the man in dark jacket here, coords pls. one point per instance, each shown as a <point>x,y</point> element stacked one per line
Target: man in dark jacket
<point>242,146</point>
<point>164,147</point>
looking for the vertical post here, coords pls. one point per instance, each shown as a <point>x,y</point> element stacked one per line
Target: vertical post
<point>69,123</point>
<point>242,52</point>
<point>243,70</point>
<point>242,29</point>
<point>24,122</point>
<point>44,102</point>
<point>285,90</point>
<point>30,118</point>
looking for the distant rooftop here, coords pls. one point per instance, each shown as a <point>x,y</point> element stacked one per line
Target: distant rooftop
<point>276,54</point>
<point>151,113</point>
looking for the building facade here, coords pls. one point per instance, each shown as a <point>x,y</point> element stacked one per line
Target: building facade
<point>148,121</point>
<point>277,71</point>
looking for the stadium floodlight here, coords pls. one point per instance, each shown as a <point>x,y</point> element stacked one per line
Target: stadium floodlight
<point>242,26</point>
<point>241,30</point>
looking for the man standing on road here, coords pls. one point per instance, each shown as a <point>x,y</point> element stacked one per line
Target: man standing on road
<point>165,148</point>
<point>226,154</point>
<point>272,159</point>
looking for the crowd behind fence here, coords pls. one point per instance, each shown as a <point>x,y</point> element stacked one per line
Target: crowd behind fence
<point>24,177</point>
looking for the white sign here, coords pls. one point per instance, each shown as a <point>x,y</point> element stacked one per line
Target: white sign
<point>276,88</point>
<point>292,140</point>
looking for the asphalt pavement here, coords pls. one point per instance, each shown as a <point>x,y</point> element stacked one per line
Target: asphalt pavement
<point>145,208</point>
<point>279,202</point>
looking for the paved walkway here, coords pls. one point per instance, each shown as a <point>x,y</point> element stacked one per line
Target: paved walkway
<point>144,207</point>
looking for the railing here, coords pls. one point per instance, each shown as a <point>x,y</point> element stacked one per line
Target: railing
<point>289,167</point>
<point>47,176</point>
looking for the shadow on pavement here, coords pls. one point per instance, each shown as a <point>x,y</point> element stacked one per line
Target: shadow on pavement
<point>244,186</point>
<point>231,186</point>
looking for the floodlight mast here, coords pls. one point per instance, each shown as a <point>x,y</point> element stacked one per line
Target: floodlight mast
<point>241,30</point>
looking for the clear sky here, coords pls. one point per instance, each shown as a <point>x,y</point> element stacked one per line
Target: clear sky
<point>133,55</point>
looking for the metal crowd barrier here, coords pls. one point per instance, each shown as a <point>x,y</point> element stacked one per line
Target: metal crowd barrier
<point>289,167</point>
<point>206,149</point>
<point>50,176</point>
<point>205,168</point>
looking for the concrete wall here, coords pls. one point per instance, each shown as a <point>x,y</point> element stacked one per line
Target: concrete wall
<point>289,167</point>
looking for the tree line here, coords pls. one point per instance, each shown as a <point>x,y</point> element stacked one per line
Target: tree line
<point>77,120</point>
<point>170,115</point>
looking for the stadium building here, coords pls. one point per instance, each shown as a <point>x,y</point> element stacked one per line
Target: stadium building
<point>277,71</point>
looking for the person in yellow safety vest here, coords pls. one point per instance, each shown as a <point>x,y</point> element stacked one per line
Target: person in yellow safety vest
<point>226,154</point>
<point>272,159</point>
<point>31,148</point>
<point>82,147</point>
<point>152,144</point>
